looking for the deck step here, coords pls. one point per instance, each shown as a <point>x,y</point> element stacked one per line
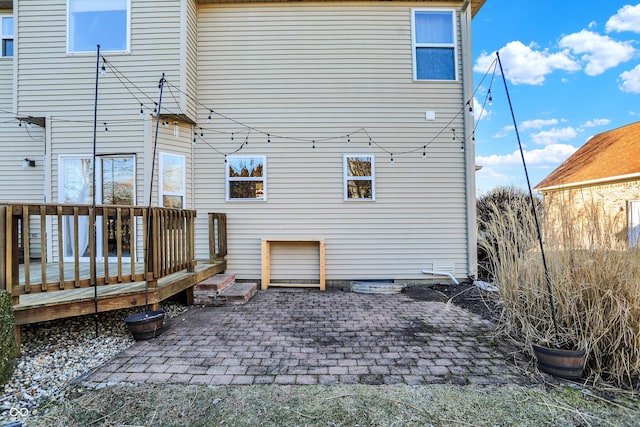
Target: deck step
<point>216,283</point>
<point>239,293</point>
<point>222,289</point>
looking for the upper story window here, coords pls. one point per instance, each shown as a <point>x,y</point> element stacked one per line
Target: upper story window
<point>172,180</point>
<point>98,22</point>
<point>359,183</point>
<point>246,177</point>
<point>7,35</point>
<point>434,45</point>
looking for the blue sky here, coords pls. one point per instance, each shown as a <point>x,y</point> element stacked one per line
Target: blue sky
<point>573,71</point>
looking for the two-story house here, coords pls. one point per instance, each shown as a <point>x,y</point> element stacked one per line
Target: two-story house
<point>346,121</point>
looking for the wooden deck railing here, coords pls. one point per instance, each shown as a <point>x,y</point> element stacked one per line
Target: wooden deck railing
<point>66,234</point>
<point>217,236</point>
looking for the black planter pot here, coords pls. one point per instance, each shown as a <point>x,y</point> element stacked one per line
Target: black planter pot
<point>561,363</point>
<point>144,326</point>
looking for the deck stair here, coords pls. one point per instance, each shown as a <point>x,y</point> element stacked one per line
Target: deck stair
<point>222,289</point>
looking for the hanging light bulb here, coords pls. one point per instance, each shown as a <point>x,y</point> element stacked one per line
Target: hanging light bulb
<point>369,142</point>
<point>106,129</point>
<point>155,109</point>
<point>268,139</point>
<point>391,158</point>
<point>424,152</point>
<point>348,139</point>
<point>141,110</point>
<point>232,136</point>
<point>103,70</point>
<point>201,133</point>
<point>490,98</point>
<point>313,144</point>
<point>209,118</point>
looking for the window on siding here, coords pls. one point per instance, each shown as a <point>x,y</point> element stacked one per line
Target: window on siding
<point>98,22</point>
<point>359,182</point>
<point>172,180</point>
<point>246,178</point>
<point>7,35</point>
<point>434,45</point>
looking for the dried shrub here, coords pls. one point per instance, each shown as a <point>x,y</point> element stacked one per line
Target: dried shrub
<point>595,290</point>
<point>8,345</point>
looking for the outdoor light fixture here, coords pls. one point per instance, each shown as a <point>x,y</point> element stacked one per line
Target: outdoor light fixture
<point>28,163</point>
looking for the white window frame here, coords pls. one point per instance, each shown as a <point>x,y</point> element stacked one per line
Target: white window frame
<point>102,48</point>
<point>454,44</point>
<point>633,207</point>
<point>347,177</point>
<point>229,179</point>
<point>7,36</point>
<point>183,191</point>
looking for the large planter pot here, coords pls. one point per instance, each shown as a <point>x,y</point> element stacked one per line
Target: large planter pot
<point>144,326</point>
<point>567,364</point>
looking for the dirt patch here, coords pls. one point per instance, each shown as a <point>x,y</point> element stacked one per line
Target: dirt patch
<point>465,295</point>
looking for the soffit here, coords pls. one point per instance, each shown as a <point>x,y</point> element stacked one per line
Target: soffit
<point>475,4</point>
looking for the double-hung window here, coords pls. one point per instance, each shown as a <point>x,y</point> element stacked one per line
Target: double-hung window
<point>359,182</point>
<point>172,180</point>
<point>98,22</point>
<point>7,35</point>
<point>246,178</point>
<point>434,44</point>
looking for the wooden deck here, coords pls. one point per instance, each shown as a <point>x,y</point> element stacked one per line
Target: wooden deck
<point>164,238</point>
<point>50,305</point>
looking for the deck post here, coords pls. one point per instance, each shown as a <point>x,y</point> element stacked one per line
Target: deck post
<point>3,248</point>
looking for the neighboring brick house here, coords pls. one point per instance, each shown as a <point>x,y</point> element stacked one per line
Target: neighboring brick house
<point>597,189</point>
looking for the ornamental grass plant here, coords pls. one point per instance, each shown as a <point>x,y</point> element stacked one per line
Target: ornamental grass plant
<point>595,287</point>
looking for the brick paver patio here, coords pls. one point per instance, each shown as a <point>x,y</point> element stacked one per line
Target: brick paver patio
<point>304,336</point>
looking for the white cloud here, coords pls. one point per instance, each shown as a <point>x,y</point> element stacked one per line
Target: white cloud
<point>631,80</point>
<point>627,19</point>
<point>596,122</point>
<point>553,136</point>
<point>524,65</point>
<point>480,113</point>
<point>538,123</point>
<point>550,155</point>
<point>599,52</point>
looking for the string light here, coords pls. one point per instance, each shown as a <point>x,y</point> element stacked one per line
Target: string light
<point>201,133</point>
<point>490,98</point>
<point>391,157</point>
<point>106,129</point>
<point>103,70</point>
<point>141,110</point>
<point>155,109</point>
<point>424,152</point>
<point>232,136</point>
<point>348,139</point>
<point>209,118</point>
<point>268,139</point>
<point>314,144</point>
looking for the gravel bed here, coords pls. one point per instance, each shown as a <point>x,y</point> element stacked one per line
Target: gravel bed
<point>55,353</point>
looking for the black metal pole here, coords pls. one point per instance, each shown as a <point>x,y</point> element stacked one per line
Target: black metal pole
<point>153,167</point>
<point>533,206</point>
<point>92,217</point>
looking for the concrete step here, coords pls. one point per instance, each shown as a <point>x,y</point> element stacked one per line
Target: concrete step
<point>239,293</point>
<point>217,283</point>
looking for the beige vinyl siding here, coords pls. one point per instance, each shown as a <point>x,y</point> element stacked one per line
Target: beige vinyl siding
<point>317,71</point>
<point>18,143</point>
<point>190,62</point>
<point>66,90</point>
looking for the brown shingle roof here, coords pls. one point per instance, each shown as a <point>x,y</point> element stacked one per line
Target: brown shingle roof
<point>607,155</point>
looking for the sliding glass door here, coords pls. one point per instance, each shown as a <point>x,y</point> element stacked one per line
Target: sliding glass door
<point>115,180</point>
